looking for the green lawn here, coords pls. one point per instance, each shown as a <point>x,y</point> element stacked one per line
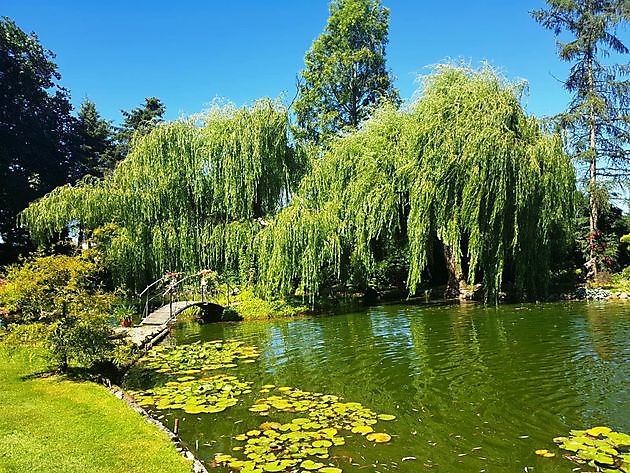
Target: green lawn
<point>56,425</point>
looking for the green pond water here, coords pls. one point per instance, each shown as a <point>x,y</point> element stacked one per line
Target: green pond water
<point>473,389</point>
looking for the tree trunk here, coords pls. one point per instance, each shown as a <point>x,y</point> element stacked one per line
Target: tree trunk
<point>455,274</point>
<point>354,106</point>
<point>592,181</point>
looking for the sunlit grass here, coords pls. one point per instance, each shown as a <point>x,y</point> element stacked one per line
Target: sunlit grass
<point>52,424</point>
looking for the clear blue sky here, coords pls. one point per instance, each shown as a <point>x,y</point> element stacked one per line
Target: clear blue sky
<point>188,53</point>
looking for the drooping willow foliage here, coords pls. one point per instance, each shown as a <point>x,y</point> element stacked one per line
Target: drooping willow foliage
<point>353,196</point>
<point>461,177</point>
<point>463,167</point>
<point>187,197</point>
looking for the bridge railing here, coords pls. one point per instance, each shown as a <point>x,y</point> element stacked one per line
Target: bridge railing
<point>177,286</point>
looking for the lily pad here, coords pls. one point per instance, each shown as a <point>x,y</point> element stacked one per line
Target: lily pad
<point>597,431</point>
<point>199,395</point>
<point>362,429</point>
<point>273,467</point>
<point>311,465</point>
<point>386,417</point>
<point>379,437</point>
<point>600,447</point>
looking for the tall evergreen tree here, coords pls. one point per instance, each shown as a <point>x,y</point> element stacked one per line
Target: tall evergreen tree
<point>94,142</point>
<point>35,129</point>
<point>138,122</point>
<point>345,73</point>
<point>598,117</point>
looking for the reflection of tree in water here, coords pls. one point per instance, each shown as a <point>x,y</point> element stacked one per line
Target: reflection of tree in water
<point>599,324</point>
<point>603,365</point>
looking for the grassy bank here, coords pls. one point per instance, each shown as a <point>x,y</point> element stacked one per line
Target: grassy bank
<point>251,307</point>
<point>56,425</point>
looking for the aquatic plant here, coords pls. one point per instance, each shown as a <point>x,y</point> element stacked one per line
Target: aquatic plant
<point>275,446</point>
<point>195,395</point>
<point>199,393</point>
<point>598,447</point>
<point>198,357</point>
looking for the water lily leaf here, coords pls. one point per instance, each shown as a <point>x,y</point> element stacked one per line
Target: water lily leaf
<point>322,443</point>
<point>619,439</point>
<point>604,459</point>
<point>378,437</point>
<point>571,446</point>
<point>597,431</point>
<point>311,465</point>
<point>328,432</point>
<point>362,429</point>
<point>259,408</point>
<point>386,417</point>
<point>270,426</point>
<point>273,467</point>
<point>330,469</point>
<point>541,451</point>
<point>185,378</point>
<point>577,433</point>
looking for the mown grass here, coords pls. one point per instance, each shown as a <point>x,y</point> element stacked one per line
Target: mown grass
<point>52,424</point>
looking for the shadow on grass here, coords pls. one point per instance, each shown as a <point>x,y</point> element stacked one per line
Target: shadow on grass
<point>94,373</point>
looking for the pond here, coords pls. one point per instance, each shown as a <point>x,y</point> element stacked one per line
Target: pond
<point>473,389</point>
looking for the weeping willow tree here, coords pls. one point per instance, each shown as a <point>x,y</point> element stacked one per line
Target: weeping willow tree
<point>187,197</point>
<point>463,169</point>
<point>353,198</point>
<point>488,181</point>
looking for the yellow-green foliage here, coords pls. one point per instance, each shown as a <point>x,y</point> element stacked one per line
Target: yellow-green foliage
<point>462,164</point>
<point>55,302</point>
<point>486,172</point>
<point>251,307</point>
<point>463,167</point>
<point>188,196</point>
<point>44,288</point>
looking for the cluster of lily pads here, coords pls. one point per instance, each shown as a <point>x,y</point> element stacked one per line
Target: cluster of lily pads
<point>195,395</point>
<point>275,446</point>
<point>198,357</point>
<point>599,447</point>
<point>324,409</point>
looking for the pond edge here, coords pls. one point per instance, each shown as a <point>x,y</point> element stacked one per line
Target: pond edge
<point>197,466</point>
